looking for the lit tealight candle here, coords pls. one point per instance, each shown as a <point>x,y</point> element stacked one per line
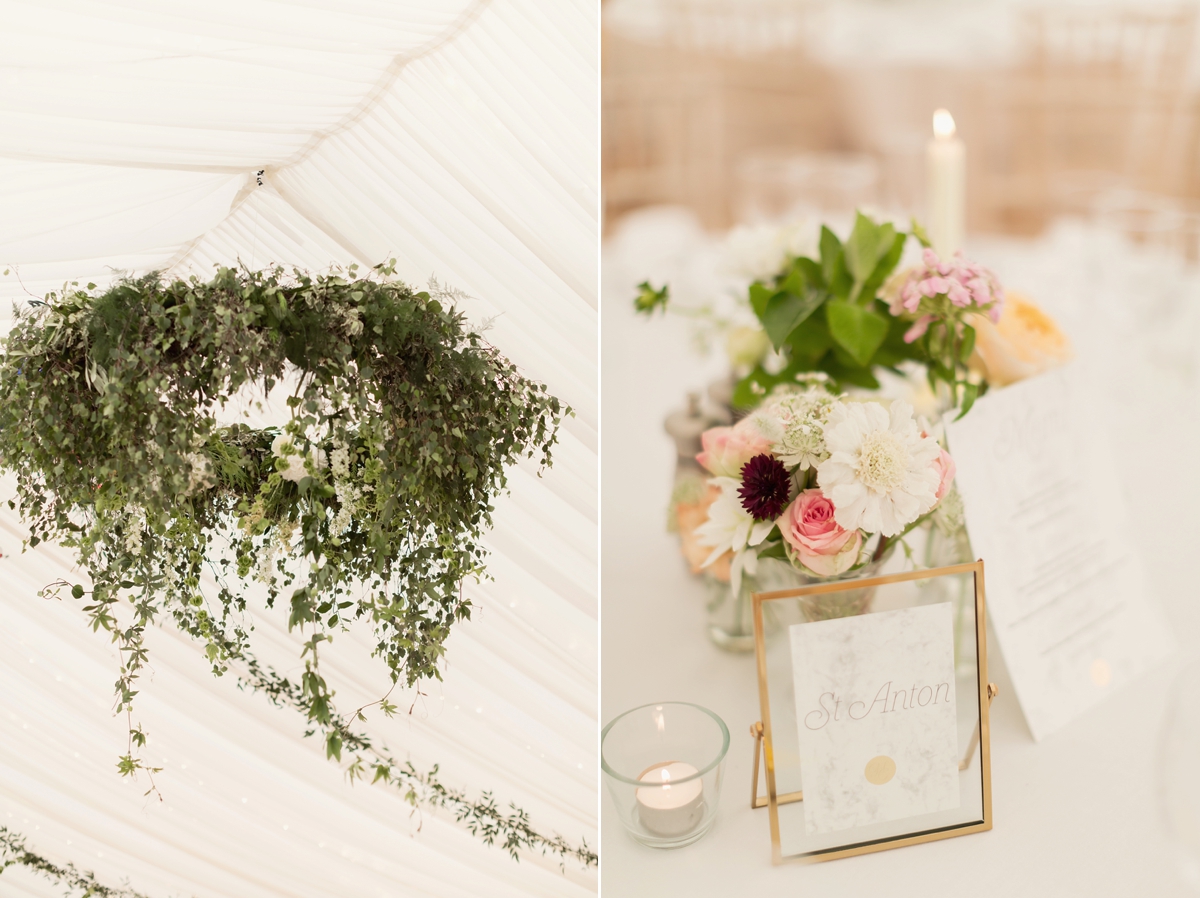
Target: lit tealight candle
<point>669,807</point>
<point>946,164</point>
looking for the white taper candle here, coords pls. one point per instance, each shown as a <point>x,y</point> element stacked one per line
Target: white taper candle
<point>946,166</point>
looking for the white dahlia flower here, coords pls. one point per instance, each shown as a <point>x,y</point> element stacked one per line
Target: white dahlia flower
<point>880,474</point>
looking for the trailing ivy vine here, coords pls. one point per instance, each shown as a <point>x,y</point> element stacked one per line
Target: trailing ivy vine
<point>75,882</point>
<point>511,829</point>
<point>482,817</point>
<point>369,504</point>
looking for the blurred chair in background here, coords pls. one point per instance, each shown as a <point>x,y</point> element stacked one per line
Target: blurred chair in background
<point>691,87</point>
<point>1098,103</point>
<point>742,112</point>
<point>771,185</point>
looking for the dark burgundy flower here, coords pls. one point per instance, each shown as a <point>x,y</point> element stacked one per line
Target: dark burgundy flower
<point>765,485</point>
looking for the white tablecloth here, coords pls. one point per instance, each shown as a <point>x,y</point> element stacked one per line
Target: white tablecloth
<point>1076,814</point>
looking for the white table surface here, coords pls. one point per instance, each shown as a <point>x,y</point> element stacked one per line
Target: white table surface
<point>1076,814</point>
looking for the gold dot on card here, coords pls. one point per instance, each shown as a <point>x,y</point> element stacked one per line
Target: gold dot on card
<point>1101,672</point>
<point>880,769</point>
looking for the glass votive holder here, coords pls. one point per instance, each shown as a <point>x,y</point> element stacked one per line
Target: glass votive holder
<point>663,765</point>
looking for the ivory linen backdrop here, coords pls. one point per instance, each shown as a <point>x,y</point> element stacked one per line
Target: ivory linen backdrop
<point>458,136</point>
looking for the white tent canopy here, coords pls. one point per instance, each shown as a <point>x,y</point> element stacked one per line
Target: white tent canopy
<point>457,136</point>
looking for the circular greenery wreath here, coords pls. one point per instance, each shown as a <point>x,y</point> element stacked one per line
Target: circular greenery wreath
<point>370,502</point>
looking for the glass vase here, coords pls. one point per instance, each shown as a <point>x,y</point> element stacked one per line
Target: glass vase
<point>945,546</point>
<point>731,617</point>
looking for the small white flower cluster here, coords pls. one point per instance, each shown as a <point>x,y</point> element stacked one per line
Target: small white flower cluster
<point>284,447</point>
<point>266,561</point>
<point>135,521</point>
<point>760,251</point>
<point>339,462</point>
<point>949,515</point>
<point>349,494</point>
<point>200,472</point>
<point>279,542</point>
<point>795,423</point>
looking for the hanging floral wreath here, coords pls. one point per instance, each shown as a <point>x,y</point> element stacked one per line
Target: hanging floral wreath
<point>369,503</point>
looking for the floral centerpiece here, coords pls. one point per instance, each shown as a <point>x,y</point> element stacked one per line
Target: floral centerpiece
<point>822,465</point>
<point>824,482</point>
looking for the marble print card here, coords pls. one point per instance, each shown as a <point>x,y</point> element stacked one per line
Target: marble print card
<point>875,708</point>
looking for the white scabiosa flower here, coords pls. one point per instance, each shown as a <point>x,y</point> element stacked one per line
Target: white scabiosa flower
<point>880,474</point>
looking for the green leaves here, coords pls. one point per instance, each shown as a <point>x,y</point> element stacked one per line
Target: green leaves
<point>833,263</point>
<point>649,299</point>
<point>857,330</point>
<point>405,419</point>
<point>760,295</point>
<point>822,314</point>
<point>918,231</point>
<point>333,745</point>
<point>948,345</point>
<point>872,252</point>
<point>970,392</point>
<point>15,852</point>
<point>867,245</point>
<point>968,343</point>
<point>786,311</point>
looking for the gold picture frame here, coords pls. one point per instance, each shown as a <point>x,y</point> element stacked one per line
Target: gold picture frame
<point>977,744</point>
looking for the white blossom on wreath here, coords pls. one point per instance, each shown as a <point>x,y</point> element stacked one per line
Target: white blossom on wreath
<point>295,464</point>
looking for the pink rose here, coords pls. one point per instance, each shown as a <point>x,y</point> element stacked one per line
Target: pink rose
<point>946,469</point>
<point>821,543</point>
<point>727,449</point>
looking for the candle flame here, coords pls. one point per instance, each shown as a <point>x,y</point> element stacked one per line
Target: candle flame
<point>943,123</point>
<point>666,778</point>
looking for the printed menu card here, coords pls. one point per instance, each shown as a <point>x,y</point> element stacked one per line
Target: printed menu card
<point>875,707</point>
<point>1044,510</point>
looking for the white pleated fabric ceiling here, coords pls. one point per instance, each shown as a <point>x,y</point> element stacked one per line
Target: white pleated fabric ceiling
<point>457,136</point>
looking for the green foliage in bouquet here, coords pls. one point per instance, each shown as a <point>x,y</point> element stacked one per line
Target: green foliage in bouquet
<point>823,314</point>
<point>826,314</point>
<point>370,503</point>
<point>649,299</point>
